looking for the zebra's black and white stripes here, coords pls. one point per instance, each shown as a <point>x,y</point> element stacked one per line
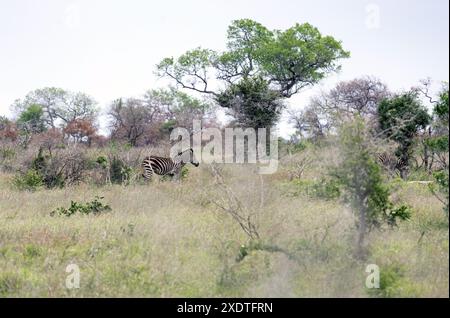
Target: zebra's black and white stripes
<point>167,166</point>
<point>392,163</point>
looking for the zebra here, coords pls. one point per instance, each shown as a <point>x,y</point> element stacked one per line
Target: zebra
<point>392,163</point>
<point>167,166</point>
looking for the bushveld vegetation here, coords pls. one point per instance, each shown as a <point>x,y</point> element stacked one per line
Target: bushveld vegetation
<point>69,195</point>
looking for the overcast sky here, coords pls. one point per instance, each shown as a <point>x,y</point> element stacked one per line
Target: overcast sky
<point>109,49</point>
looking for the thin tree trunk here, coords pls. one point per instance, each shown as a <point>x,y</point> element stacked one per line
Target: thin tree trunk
<point>361,231</point>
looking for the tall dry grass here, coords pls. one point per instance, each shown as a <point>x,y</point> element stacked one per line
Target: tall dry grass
<point>168,239</point>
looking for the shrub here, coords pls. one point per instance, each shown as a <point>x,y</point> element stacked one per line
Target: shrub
<point>30,180</point>
<point>393,283</point>
<point>362,183</point>
<point>441,190</point>
<point>102,161</point>
<point>94,207</point>
<point>325,188</point>
<point>32,251</point>
<point>120,173</point>
<point>62,168</point>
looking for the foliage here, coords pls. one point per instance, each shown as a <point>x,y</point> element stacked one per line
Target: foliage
<point>393,283</point>
<point>361,179</point>
<point>441,191</point>
<point>325,188</point>
<point>178,109</point>
<point>32,119</point>
<point>102,161</point>
<point>400,118</point>
<point>130,120</point>
<point>167,217</point>
<point>309,123</point>
<point>54,170</point>
<point>81,130</point>
<point>56,104</point>
<point>252,102</point>
<point>31,180</point>
<point>94,207</point>
<point>441,108</point>
<point>146,120</point>
<point>120,173</point>
<point>256,57</point>
<point>439,145</point>
<point>51,177</point>
<point>328,110</point>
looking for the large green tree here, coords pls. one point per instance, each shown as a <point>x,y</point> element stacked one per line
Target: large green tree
<point>400,119</point>
<point>258,69</point>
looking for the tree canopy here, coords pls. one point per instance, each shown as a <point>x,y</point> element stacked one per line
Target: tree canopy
<point>283,62</point>
<point>400,118</point>
<point>58,104</point>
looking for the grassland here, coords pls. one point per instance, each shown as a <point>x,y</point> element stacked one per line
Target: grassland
<point>170,239</point>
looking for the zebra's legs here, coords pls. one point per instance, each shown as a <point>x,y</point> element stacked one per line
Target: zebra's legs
<point>148,176</point>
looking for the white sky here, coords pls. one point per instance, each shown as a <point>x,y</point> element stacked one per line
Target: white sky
<point>109,49</point>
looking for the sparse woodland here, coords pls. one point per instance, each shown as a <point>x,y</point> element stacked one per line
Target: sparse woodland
<point>364,180</point>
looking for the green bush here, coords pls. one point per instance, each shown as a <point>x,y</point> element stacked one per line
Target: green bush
<point>441,189</point>
<point>102,161</point>
<point>30,180</point>
<point>58,169</point>
<point>325,188</point>
<point>119,171</point>
<point>393,283</point>
<point>94,207</point>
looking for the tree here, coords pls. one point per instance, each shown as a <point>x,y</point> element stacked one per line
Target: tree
<point>277,64</point>
<point>58,104</point>
<point>252,103</point>
<point>178,109</point>
<point>149,118</point>
<point>439,144</point>
<point>77,106</point>
<point>31,119</point>
<point>130,120</point>
<point>400,118</point>
<point>309,122</point>
<point>359,96</point>
<point>433,140</point>
<point>361,179</point>
<point>81,130</point>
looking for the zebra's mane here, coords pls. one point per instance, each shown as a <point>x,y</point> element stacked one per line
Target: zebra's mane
<point>180,155</point>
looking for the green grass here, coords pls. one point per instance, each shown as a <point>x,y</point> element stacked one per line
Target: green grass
<point>171,240</point>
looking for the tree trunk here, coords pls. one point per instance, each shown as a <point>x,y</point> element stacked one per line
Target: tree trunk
<point>362,228</point>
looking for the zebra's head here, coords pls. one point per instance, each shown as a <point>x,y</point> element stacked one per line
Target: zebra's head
<point>187,156</point>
